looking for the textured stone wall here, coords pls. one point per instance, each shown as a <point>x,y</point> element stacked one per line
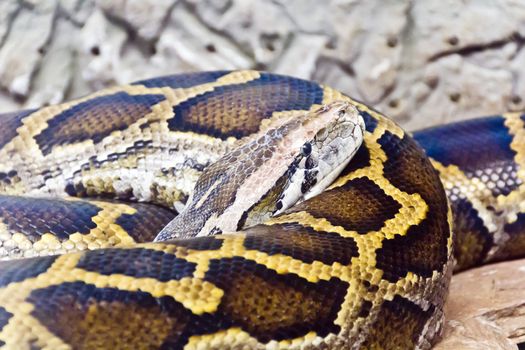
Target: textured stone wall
<point>421,62</point>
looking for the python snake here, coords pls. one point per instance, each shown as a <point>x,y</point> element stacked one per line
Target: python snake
<point>363,265</point>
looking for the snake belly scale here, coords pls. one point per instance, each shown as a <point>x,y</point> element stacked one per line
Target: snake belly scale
<point>363,265</point>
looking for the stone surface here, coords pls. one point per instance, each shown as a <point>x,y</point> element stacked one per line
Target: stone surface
<point>486,308</point>
<point>22,48</point>
<point>145,17</point>
<point>57,60</point>
<point>420,62</point>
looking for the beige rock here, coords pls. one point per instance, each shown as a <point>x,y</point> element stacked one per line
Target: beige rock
<point>52,80</point>
<point>517,101</point>
<point>455,99</point>
<point>301,56</point>
<point>442,27</point>
<point>99,49</point>
<point>261,28</point>
<point>420,62</point>
<point>21,52</point>
<point>8,9</point>
<point>486,308</point>
<point>329,69</point>
<point>77,11</point>
<point>146,17</point>
<point>375,50</point>
<point>188,45</point>
<point>7,103</point>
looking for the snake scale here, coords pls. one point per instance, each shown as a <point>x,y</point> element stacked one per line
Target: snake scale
<point>363,265</point>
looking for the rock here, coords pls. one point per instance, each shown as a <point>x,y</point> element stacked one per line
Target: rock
<point>188,45</point>
<point>422,63</point>
<point>341,76</point>
<point>144,17</point>
<point>455,99</point>
<point>486,308</point>
<point>443,27</point>
<point>8,9</point>
<point>7,103</point>
<point>76,11</point>
<point>21,52</point>
<point>51,81</point>
<point>373,48</point>
<point>301,56</point>
<point>260,28</point>
<point>517,102</point>
<point>100,48</point>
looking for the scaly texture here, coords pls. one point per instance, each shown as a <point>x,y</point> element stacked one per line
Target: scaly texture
<point>481,163</point>
<point>44,226</point>
<point>365,264</point>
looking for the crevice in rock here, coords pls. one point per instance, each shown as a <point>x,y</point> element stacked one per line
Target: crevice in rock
<point>471,49</point>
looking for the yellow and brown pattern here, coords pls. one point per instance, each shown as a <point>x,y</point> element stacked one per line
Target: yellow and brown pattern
<point>324,274</point>
<point>44,226</point>
<point>481,165</point>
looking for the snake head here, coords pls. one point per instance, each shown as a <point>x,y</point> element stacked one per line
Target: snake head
<point>271,172</point>
<point>321,158</point>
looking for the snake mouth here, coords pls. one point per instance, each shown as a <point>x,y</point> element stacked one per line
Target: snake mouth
<point>326,181</point>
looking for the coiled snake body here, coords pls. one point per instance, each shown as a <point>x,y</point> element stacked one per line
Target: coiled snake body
<point>365,264</point>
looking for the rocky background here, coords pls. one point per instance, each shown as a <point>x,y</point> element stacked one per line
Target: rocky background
<point>420,62</point>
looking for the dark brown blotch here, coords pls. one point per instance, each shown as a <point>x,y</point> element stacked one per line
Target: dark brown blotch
<point>95,119</point>
<point>198,243</point>
<point>365,308</point>
<point>34,217</point>
<point>86,317</point>
<point>301,243</point>
<point>359,205</point>
<point>398,325</point>
<point>272,306</point>
<point>360,160</point>
<point>146,222</point>
<point>10,123</point>
<point>5,316</point>
<point>137,262</point>
<point>18,270</point>
<point>237,110</point>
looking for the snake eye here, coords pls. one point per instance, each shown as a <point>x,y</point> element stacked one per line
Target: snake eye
<point>306,149</point>
<point>341,113</point>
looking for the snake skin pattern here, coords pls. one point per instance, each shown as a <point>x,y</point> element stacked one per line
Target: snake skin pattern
<point>364,265</point>
<point>482,165</point>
